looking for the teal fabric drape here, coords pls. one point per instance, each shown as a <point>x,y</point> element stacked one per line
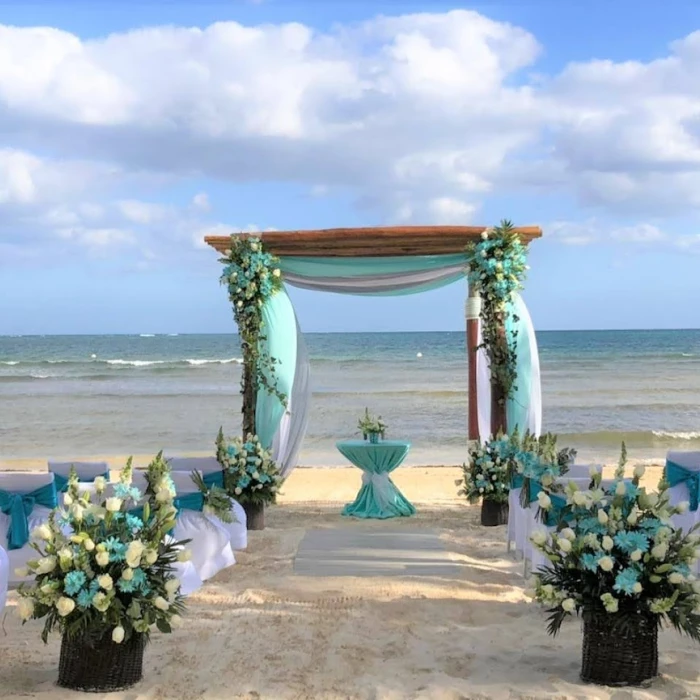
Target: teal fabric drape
<point>378,497</point>
<point>279,342</point>
<point>62,481</point>
<point>189,501</point>
<point>19,507</point>
<point>518,405</point>
<point>675,474</point>
<point>359,267</point>
<point>214,479</point>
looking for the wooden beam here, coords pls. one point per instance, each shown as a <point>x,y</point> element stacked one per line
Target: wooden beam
<point>383,241</point>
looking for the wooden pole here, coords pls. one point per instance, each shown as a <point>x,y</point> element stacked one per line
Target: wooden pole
<point>472,310</point>
<point>498,399</point>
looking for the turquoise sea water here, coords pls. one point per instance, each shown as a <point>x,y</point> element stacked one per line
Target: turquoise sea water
<point>64,396</point>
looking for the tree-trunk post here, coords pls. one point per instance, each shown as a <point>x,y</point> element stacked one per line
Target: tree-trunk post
<point>249,400</point>
<point>498,396</point>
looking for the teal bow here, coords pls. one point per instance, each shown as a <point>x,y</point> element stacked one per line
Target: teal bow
<point>190,501</point>
<point>533,490</point>
<point>214,479</point>
<point>675,474</point>
<point>554,513</point>
<point>516,481</point>
<point>62,481</point>
<point>19,507</point>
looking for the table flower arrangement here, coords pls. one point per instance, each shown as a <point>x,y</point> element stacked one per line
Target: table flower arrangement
<point>104,578</point>
<point>486,477</point>
<point>616,560</point>
<point>251,475</point>
<point>372,427</point>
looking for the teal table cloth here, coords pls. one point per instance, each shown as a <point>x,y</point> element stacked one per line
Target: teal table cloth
<point>378,497</point>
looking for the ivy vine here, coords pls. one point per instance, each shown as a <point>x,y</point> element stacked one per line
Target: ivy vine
<point>252,276</point>
<point>497,265</point>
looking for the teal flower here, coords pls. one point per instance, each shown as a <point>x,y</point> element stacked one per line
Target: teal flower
<point>74,581</point>
<point>626,580</point>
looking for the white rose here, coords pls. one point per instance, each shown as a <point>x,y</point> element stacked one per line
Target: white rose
<point>22,572</point>
<point>151,556</point>
<point>161,603</point>
<point>172,585</point>
<point>544,500</point>
<point>546,480</point>
<point>637,588</point>
<point>134,552</point>
<point>579,498</point>
<point>538,537</point>
<point>484,235</point>
<point>238,490</point>
<point>65,553</point>
<point>636,555</point>
<point>675,578</point>
<point>639,471</point>
<point>276,272</point>
<point>176,622</point>
<point>621,488</point>
<point>102,558</point>
<point>118,635</point>
<point>683,506</point>
<point>565,546</point>
<point>659,551</point>
<point>184,555</point>
<point>602,517</point>
<point>101,601</point>
<point>128,574</point>
<point>46,565</point>
<point>100,484</point>
<point>67,499</point>
<point>25,608</point>
<point>255,475</point>
<point>608,543</point>
<point>65,606</point>
<point>569,605</point>
<point>606,563</point>
<point>568,534</point>
<point>105,582</point>
<point>88,544</point>
<point>163,495</point>
<point>633,517</point>
<point>239,304</point>
<point>42,532</point>
<point>113,504</point>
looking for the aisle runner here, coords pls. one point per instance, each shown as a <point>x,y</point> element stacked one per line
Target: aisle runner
<point>355,552</point>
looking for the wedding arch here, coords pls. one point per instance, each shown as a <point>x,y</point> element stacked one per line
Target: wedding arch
<point>379,261</point>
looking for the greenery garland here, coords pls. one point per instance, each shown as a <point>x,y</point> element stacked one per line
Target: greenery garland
<point>252,276</point>
<point>497,265</point>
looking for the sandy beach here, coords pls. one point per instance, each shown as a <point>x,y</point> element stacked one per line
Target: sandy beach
<point>257,630</point>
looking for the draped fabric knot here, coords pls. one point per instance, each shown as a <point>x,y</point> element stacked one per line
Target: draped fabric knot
<point>516,481</point>
<point>675,474</point>
<point>190,501</point>
<point>19,506</point>
<point>214,479</point>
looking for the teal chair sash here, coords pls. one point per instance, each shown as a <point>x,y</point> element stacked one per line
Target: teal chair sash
<point>214,479</point>
<point>675,474</point>
<point>62,481</point>
<point>190,501</point>
<point>19,507</point>
<point>516,481</point>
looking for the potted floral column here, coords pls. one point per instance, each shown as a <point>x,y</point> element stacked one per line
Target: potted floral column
<point>615,560</point>
<point>372,428</point>
<point>104,578</point>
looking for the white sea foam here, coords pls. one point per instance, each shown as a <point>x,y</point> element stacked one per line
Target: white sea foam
<point>10,362</point>
<point>199,363</point>
<point>147,335</point>
<point>136,363</point>
<point>691,435</point>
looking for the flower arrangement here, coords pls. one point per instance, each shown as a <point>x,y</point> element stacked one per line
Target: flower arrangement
<point>250,474</point>
<point>616,556</point>
<point>105,567</point>
<point>252,276</point>
<point>487,474</point>
<point>368,425</point>
<point>496,269</point>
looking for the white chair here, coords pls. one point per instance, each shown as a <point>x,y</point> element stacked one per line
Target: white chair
<point>238,529</point>
<point>582,471</point>
<point>689,461</point>
<point>87,472</point>
<point>4,577</point>
<point>25,483</point>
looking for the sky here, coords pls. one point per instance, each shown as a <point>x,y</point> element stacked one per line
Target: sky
<point>130,130</point>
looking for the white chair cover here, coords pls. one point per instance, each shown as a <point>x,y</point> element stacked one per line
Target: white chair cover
<point>679,493</point>
<point>86,471</point>
<point>238,529</point>
<point>23,482</point>
<point>4,577</point>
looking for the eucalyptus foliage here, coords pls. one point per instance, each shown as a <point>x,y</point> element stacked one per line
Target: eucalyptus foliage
<point>496,269</point>
<point>104,565</point>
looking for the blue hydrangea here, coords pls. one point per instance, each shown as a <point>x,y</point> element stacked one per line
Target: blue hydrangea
<point>625,580</point>
<point>591,525</point>
<point>590,561</point>
<point>126,586</point>
<point>630,541</point>
<point>116,548</point>
<point>74,581</point>
<point>133,522</point>
<point>650,525</point>
<point>84,599</point>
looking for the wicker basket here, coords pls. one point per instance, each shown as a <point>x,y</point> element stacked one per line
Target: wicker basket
<point>618,656</point>
<point>493,513</point>
<point>255,515</point>
<point>98,665</point>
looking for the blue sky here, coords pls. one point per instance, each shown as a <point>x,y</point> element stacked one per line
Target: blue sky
<point>131,130</point>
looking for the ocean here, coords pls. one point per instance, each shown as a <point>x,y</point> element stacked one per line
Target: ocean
<point>67,396</point>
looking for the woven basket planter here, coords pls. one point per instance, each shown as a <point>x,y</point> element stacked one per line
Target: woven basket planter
<point>255,515</point>
<point>618,656</point>
<point>99,665</point>
<point>493,513</point>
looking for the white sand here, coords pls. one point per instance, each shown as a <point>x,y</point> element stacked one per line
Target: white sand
<point>258,631</point>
